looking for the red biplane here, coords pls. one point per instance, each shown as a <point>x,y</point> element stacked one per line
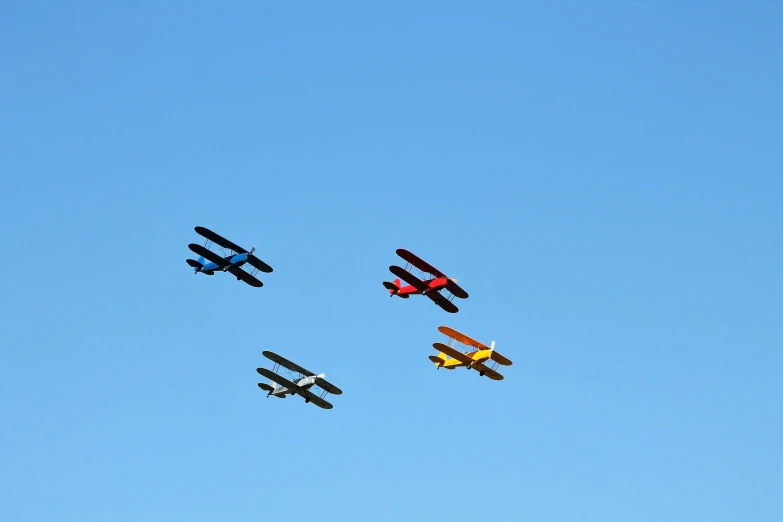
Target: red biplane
<point>432,283</point>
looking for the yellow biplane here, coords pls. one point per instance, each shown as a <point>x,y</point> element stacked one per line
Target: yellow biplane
<point>477,357</point>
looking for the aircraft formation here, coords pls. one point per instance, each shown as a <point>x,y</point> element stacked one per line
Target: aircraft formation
<point>460,351</point>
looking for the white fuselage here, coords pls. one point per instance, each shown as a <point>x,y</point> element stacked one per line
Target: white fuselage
<point>304,383</point>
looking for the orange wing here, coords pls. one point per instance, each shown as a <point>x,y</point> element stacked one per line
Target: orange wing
<point>464,339</point>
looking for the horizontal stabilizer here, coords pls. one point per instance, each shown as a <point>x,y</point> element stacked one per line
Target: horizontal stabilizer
<point>265,387</point>
<point>193,263</point>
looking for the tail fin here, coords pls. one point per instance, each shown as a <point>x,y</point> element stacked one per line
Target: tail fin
<point>439,360</point>
<point>393,288</point>
<point>197,265</point>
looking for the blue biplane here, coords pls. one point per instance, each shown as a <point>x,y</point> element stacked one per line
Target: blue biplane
<point>210,262</point>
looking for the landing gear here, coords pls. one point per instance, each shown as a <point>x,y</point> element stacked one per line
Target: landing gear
<point>481,374</point>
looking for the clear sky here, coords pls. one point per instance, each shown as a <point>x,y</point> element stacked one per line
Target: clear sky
<point>605,179</point>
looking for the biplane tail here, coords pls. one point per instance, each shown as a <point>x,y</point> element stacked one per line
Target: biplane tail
<point>439,359</point>
<point>197,265</point>
<point>393,287</point>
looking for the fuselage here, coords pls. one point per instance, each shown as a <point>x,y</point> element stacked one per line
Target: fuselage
<point>433,285</point>
<point>305,383</point>
<point>234,260</point>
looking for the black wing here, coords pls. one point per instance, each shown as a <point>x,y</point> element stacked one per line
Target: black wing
<point>244,276</point>
<point>208,254</point>
<point>329,387</point>
<point>442,302</point>
<point>285,363</point>
<point>455,289</point>
<point>315,399</point>
<point>279,379</point>
<point>409,278</point>
<point>257,263</point>
<point>219,240</point>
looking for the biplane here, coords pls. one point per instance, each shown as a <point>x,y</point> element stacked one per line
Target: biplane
<point>210,262</point>
<point>431,284</point>
<point>301,383</point>
<point>484,359</point>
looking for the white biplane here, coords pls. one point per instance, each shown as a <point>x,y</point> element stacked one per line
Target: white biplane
<point>300,384</point>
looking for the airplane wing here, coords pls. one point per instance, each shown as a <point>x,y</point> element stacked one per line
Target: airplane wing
<point>495,356</point>
<point>409,278</point>
<point>418,263</point>
<point>219,240</point>
<point>455,289</point>
<point>453,353</point>
<point>329,387</point>
<point>441,301</point>
<point>489,372</point>
<point>279,379</point>
<point>244,276</point>
<point>285,363</point>
<point>460,337</point>
<point>257,263</point>
<point>208,254</point>
<point>315,399</point>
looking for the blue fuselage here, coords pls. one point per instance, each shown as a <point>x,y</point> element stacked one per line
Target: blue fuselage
<point>235,260</point>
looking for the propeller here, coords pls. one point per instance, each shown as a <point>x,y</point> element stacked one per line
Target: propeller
<point>252,250</point>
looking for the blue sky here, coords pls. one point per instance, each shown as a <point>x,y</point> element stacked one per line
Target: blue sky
<point>604,180</point>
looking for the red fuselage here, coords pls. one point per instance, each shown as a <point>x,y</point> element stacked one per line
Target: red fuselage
<point>433,285</point>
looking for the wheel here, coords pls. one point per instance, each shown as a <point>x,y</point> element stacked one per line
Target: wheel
<point>481,374</point>
<point>307,400</point>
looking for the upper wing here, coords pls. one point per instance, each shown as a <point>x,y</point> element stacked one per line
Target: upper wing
<point>418,263</point>
<point>409,278</point>
<point>279,379</point>
<point>208,254</point>
<point>329,387</point>
<point>219,240</point>
<point>464,339</point>
<point>453,353</point>
<point>257,263</point>
<point>489,372</point>
<point>443,302</point>
<point>315,399</point>
<point>455,289</point>
<point>244,276</point>
<point>495,356</point>
<point>285,363</point>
